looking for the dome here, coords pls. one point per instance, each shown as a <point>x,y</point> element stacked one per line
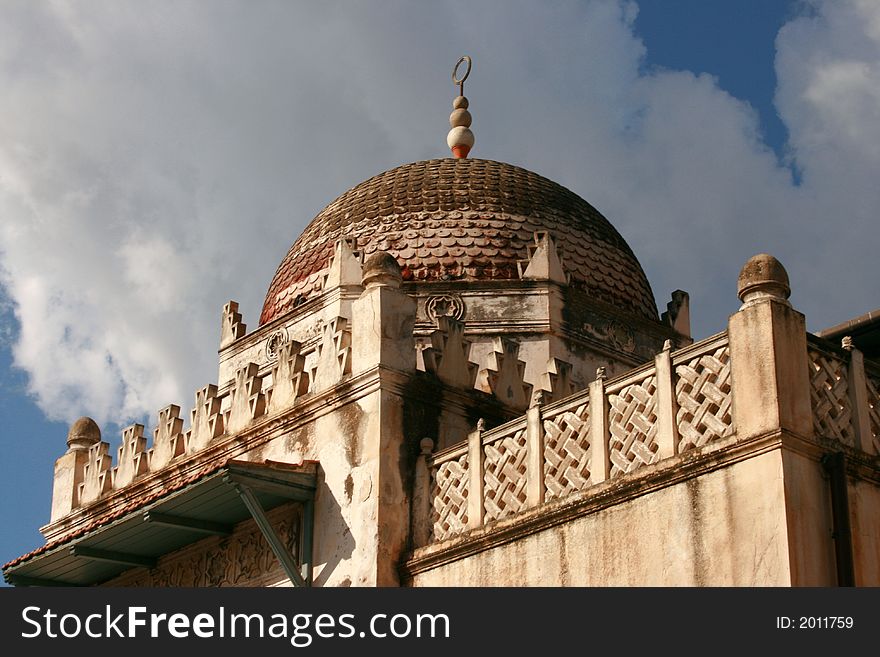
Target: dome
<point>464,219</point>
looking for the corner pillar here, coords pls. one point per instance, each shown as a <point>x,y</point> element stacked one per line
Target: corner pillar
<point>382,342</point>
<point>70,467</point>
<point>768,354</point>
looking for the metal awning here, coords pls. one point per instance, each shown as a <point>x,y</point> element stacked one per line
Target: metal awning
<point>211,505</point>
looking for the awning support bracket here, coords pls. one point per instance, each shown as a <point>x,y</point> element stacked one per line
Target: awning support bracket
<point>285,558</point>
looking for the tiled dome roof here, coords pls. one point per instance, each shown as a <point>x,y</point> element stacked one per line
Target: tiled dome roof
<point>464,219</point>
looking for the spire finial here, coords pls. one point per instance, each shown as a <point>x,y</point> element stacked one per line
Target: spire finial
<point>460,139</point>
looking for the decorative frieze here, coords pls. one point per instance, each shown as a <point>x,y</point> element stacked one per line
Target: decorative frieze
<point>556,381</point>
<point>242,559</point>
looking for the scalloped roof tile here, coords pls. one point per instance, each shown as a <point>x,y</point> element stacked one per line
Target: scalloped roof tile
<point>455,217</point>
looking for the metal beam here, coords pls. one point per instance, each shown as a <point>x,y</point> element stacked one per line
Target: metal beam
<point>24,580</point>
<point>259,515</point>
<point>109,556</point>
<point>188,524</point>
<point>290,490</point>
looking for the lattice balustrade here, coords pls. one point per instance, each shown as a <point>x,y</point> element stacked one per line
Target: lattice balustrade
<point>832,415</point>
<point>632,422</point>
<point>449,490</point>
<point>702,392</point>
<point>874,410</point>
<point>504,476</point>
<point>567,452</point>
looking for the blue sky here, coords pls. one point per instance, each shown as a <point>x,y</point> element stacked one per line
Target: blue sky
<point>157,162</point>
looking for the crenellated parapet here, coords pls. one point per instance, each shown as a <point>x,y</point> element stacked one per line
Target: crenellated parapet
<point>231,326</point>
<point>132,460</point>
<point>290,373</point>
<point>97,477</point>
<point>206,420</point>
<point>87,474</point>
<point>168,439</point>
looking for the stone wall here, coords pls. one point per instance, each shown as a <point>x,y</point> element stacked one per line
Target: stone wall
<point>724,527</point>
<point>750,458</point>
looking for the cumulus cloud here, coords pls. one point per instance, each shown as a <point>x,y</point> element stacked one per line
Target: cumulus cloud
<point>158,159</point>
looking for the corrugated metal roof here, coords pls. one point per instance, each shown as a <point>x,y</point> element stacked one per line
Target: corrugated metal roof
<point>209,496</point>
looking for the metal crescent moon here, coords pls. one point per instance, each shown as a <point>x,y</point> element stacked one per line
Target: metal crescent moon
<point>467,72</point>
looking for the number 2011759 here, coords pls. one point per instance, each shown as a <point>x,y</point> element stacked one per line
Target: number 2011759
<point>815,622</point>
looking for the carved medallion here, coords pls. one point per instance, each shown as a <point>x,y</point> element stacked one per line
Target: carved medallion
<point>622,337</point>
<point>274,343</point>
<point>614,333</point>
<point>448,305</point>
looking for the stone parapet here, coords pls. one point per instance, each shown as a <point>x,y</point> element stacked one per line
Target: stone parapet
<point>682,401</point>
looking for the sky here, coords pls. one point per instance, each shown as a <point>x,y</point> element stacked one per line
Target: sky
<point>158,159</point>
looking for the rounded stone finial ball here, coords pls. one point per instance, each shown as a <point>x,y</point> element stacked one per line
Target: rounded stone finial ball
<point>460,117</point>
<point>763,276</point>
<point>426,445</point>
<point>381,269</point>
<point>83,434</point>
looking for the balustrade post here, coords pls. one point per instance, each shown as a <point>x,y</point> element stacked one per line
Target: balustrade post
<point>475,476</point>
<point>667,426</point>
<point>421,508</point>
<point>535,450</point>
<point>599,464</point>
<point>857,387</point>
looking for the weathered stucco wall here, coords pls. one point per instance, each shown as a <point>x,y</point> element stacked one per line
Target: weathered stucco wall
<point>725,528</point>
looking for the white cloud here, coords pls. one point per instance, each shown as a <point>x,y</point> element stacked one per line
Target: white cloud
<point>158,159</point>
